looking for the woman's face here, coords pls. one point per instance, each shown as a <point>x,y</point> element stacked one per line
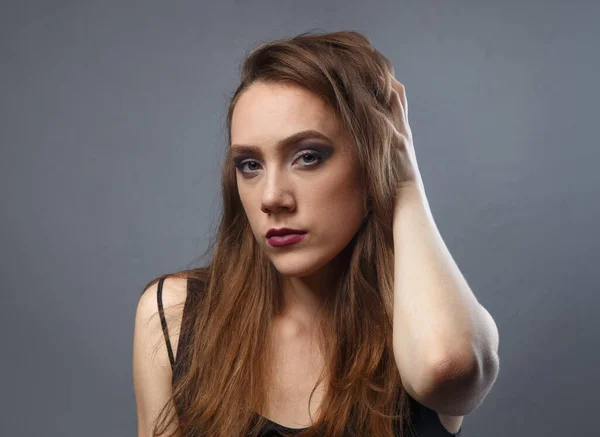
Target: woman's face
<point>309,184</point>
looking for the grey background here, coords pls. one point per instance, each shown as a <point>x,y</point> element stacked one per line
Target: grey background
<point>112,117</point>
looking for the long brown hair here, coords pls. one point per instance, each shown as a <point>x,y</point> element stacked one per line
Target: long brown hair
<point>228,351</point>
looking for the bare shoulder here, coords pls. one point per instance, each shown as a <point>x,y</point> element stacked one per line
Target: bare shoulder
<point>451,423</point>
<point>173,295</point>
<point>152,372</point>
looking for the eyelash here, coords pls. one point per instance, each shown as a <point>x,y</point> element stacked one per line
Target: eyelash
<point>320,157</point>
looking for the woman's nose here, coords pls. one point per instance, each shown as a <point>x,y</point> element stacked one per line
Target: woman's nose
<point>277,194</point>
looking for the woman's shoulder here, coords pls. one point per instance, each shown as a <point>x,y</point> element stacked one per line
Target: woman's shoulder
<point>171,292</point>
<point>152,372</point>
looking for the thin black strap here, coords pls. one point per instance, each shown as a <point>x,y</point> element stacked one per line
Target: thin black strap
<point>163,321</point>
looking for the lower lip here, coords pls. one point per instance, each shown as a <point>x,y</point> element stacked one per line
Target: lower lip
<point>285,240</point>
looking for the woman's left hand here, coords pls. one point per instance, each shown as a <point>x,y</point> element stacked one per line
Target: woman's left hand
<point>403,137</point>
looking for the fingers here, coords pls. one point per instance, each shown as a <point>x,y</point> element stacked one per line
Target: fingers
<point>399,108</point>
<point>401,90</point>
<point>398,115</point>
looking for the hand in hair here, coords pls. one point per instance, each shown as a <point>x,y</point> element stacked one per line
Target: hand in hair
<point>403,136</point>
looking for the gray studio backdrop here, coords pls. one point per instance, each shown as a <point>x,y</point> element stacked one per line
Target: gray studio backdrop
<point>111,130</point>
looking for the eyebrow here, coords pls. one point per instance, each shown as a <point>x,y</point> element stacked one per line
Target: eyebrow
<point>284,143</point>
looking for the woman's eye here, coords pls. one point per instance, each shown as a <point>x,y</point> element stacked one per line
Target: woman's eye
<point>251,164</point>
<point>307,158</point>
<point>312,157</point>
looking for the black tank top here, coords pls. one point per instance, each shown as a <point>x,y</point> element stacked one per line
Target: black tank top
<point>425,421</point>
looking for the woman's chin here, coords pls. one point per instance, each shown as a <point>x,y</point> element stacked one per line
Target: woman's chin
<point>297,266</point>
<point>295,271</point>
<point>303,263</point>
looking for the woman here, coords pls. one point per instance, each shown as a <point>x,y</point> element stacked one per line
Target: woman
<point>331,305</point>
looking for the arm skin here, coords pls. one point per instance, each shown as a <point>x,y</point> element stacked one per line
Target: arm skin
<point>445,342</point>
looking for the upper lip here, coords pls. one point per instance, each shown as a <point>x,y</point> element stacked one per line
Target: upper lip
<point>283,231</point>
